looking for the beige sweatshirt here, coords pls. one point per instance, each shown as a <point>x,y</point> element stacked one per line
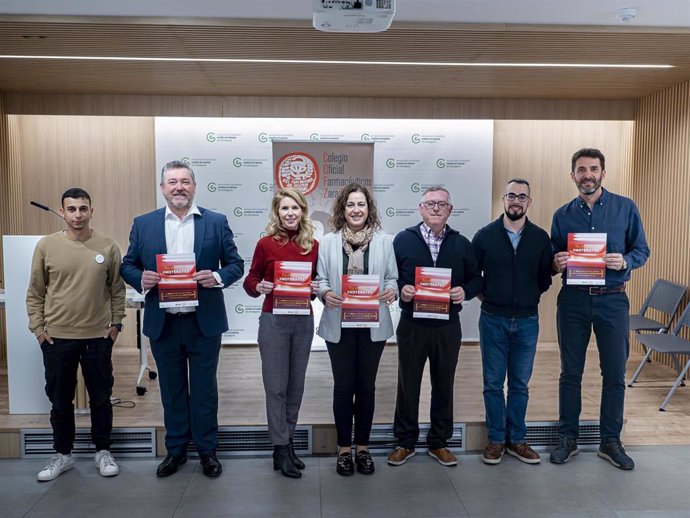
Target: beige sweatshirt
<point>75,290</point>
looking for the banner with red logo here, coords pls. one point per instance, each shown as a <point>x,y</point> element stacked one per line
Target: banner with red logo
<point>320,170</point>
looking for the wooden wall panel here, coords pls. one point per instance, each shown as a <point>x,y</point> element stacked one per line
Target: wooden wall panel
<point>661,183</point>
<point>540,151</point>
<point>266,106</point>
<point>111,157</point>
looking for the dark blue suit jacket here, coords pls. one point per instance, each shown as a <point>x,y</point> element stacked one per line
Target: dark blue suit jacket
<point>215,250</point>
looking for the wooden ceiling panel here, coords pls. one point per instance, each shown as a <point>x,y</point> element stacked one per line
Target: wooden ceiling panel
<point>492,44</point>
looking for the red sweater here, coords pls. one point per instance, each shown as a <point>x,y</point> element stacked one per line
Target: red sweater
<point>266,253</point>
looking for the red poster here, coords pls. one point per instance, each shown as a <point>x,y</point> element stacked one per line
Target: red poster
<point>176,288</point>
<point>586,263</point>
<point>360,301</point>
<point>292,288</point>
<point>432,293</point>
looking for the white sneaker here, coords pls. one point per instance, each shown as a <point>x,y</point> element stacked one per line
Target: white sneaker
<point>57,465</point>
<point>106,464</point>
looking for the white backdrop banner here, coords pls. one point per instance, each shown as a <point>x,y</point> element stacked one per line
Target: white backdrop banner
<point>233,163</point>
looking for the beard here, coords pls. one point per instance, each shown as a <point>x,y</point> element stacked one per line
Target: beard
<point>514,216</point>
<point>589,190</point>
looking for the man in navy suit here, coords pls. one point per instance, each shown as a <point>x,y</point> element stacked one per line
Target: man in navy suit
<point>185,341</point>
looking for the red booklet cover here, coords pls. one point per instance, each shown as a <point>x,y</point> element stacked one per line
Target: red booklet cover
<point>176,288</point>
<point>292,288</point>
<point>586,263</point>
<point>432,293</point>
<point>360,301</point>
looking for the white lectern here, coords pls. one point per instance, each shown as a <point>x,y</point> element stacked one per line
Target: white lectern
<point>25,375</point>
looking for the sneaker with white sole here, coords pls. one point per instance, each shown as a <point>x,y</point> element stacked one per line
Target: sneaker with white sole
<point>57,465</point>
<point>106,464</point>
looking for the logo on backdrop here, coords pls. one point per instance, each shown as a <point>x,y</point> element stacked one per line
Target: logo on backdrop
<point>443,163</point>
<point>298,171</point>
<point>212,187</point>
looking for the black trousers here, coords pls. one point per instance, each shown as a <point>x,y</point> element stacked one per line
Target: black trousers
<point>61,360</point>
<point>355,362</point>
<point>578,313</point>
<point>416,343</point>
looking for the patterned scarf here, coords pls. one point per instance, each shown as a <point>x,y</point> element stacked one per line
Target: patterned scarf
<point>360,239</point>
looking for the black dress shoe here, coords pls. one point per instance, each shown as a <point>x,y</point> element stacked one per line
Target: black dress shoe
<point>211,467</point>
<point>293,456</point>
<point>365,464</point>
<point>170,464</point>
<point>344,465</point>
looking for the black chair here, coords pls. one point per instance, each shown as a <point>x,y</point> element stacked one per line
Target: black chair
<point>674,345</point>
<point>665,297</point>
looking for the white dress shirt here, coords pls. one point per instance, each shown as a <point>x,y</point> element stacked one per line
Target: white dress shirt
<point>179,239</point>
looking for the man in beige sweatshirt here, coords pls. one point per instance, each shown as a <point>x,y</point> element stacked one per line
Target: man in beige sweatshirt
<point>76,303</point>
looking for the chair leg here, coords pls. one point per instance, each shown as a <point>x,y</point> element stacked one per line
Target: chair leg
<point>675,386</point>
<point>676,365</point>
<point>639,368</point>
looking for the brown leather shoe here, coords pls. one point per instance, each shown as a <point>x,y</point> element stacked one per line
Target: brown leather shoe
<point>400,455</point>
<point>523,452</point>
<point>493,453</point>
<point>443,456</point>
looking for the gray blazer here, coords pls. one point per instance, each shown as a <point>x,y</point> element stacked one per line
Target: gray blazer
<point>329,271</point>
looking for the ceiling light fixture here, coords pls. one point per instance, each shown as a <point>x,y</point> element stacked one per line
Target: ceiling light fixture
<point>337,62</point>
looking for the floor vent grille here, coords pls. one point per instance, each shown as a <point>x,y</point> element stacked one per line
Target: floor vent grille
<point>382,439</point>
<point>544,435</point>
<point>126,443</point>
<point>255,441</point>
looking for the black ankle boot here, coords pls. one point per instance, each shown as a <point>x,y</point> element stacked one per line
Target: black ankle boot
<point>282,462</point>
<point>294,458</point>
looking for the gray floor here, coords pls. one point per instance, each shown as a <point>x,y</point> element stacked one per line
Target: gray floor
<point>587,486</point>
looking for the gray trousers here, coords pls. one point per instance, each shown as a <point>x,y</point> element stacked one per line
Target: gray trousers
<point>284,344</point>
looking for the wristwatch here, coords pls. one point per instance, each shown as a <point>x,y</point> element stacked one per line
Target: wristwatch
<point>119,327</point>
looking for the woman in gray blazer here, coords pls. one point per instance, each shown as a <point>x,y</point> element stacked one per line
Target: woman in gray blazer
<point>356,247</point>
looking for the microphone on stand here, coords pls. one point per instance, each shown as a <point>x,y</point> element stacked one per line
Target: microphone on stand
<point>46,208</point>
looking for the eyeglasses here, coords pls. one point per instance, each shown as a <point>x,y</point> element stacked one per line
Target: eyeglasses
<point>430,205</point>
<point>511,196</point>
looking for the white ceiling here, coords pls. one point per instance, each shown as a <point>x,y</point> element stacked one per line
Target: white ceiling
<point>651,13</point>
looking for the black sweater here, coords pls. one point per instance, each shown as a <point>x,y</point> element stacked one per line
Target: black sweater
<point>456,253</point>
<point>513,279</point>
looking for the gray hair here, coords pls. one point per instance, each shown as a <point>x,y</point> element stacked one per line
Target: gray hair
<point>434,188</point>
<point>176,164</point>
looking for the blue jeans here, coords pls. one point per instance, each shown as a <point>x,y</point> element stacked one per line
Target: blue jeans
<point>508,347</point>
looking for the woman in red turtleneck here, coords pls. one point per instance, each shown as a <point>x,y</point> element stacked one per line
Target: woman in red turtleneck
<point>284,340</point>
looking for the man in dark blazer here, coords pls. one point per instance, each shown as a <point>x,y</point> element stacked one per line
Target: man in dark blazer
<point>185,341</point>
